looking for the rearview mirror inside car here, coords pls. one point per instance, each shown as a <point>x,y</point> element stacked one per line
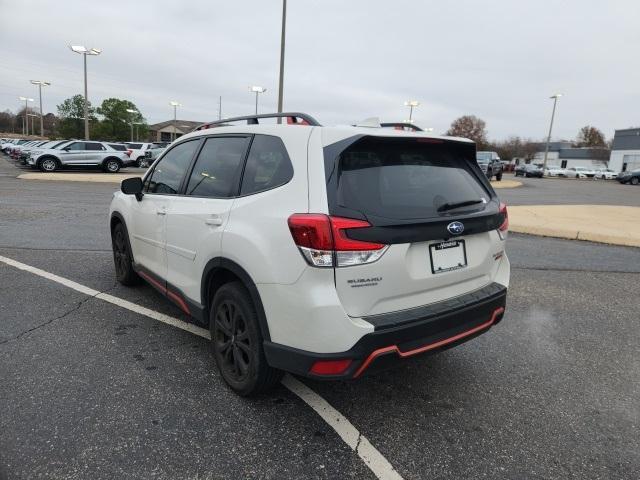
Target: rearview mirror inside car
<point>132,186</point>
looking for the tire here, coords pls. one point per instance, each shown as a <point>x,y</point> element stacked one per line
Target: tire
<point>140,161</point>
<point>499,176</point>
<point>49,164</point>
<point>526,175</point>
<point>111,165</point>
<point>635,180</point>
<point>236,342</point>
<point>122,258</point>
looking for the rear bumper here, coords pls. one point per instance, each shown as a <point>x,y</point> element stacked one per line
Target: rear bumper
<point>399,335</point>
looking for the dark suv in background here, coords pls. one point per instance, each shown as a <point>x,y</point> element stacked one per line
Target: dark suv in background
<point>490,164</point>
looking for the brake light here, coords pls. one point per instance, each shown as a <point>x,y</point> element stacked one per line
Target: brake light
<point>129,152</point>
<point>503,229</point>
<point>323,241</point>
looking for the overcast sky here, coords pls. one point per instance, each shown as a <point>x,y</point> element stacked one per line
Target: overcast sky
<point>345,60</point>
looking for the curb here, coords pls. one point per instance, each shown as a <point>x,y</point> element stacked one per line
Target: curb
<point>78,177</point>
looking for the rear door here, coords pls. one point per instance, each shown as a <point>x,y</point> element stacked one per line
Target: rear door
<point>197,219</point>
<point>429,202</point>
<point>94,152</point>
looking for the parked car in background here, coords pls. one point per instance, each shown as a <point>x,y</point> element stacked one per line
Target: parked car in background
<point>580,172</point>
<point>605,174</point>
<point>80,153</point>
<point>490,164</point>
<point>555,171</point>
<point>528,170</point>
<point>632,177</point>
<point>137,152</point>
<point>153,153</point>
<point>161,144</point>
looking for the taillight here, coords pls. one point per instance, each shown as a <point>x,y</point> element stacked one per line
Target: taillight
<point>503,229</point>
<point>323,241</point>
<point>129,152</point>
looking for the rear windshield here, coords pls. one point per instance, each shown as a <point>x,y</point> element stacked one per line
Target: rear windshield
<point>134,146</point>
<point>404,179</point>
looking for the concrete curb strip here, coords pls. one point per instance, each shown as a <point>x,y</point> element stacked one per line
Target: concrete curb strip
<point>611,224</point>
<point>79,177</point>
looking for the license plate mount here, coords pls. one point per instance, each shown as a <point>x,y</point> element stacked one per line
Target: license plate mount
<point>447,256</point>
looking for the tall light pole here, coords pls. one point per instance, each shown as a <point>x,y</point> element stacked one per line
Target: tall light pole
<point>257,90</point>
<point>26,101</point>
<point>84,51</point>
<point>33,127</point>
<point>282,42</point>
<point>131,111</point>
<point>553,113</point>
<point>175,106</point>
<point>411,104</point>
<point>40,84</point>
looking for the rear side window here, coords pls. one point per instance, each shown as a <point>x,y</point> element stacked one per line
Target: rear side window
<point>118,147</point>
<point>268,165</point>
<point>94,146</point>
<point>404,179</point>
<point>168,172</point>
<point>134,146</point>
<point>218,168</point>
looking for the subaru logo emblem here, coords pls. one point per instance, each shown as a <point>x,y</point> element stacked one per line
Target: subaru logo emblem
<point>455,228</point>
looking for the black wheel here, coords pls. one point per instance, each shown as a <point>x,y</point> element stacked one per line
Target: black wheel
<point>635,180</point>
<point>526,175</point>
<point>140,162</point>
<point>122,258</point>
<point>49,165</point>
<point>237,342</point>
<point>499,176</point>
<point>111,165</point>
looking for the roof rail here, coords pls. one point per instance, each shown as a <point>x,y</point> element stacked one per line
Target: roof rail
<point>293,118</point>
<point>402,126</point>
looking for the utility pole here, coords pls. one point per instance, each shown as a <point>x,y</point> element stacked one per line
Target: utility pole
<point>553,112</point>
<point>282,43</point>
<point>220,108</point>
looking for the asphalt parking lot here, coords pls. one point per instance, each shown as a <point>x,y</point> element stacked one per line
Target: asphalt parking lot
<point>92,390</point>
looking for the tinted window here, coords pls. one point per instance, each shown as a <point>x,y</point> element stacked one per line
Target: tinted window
<point>76,146</point>
<point>268,165</point>
<point>406,178</point>
<point>217,170</point>
<point>118,147</point>
<point>167,174</point>
<point>134,146</point>
<point>93,146</point>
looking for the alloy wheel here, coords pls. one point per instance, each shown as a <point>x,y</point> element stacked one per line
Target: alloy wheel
<point>232,340</point>
<point>120,253</point>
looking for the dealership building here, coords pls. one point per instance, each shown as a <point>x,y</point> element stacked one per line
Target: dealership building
<point>163,131</point>
<point>625,151</point>
<point>564,155</point>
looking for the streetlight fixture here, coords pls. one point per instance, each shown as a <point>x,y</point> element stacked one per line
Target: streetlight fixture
<point>553,113</point>
<point>84,51</point>
<point>411,104</point>
<point>41,83</point>
<point>257,90</point>
<point>282,41</point>
<point>26,101</point>
<point>131,111</point>
<point>175,106</point>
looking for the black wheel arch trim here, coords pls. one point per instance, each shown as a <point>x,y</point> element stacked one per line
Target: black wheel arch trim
<point>227,264</point>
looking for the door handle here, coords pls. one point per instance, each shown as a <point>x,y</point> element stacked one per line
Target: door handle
<point>161,212</point>
<point>214,221</point>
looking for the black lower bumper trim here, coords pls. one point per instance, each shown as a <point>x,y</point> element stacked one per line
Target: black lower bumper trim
<point>430,334</point>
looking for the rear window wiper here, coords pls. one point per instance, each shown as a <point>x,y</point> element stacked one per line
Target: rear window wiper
<point>451,206</point>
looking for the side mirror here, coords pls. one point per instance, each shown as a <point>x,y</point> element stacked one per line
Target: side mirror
<point>132,186</point>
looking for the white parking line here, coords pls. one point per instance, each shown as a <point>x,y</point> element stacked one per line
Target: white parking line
<point>376,462</point>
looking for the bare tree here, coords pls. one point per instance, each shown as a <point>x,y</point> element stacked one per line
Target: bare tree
<point>590,136</point>
<point>471,127</point>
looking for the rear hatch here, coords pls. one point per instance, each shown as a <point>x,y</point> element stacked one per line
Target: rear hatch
<point>425,202</point>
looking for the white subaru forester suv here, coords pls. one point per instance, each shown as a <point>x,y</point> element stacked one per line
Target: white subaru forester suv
<point>321,251</point>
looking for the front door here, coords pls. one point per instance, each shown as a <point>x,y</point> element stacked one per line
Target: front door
<point>73,154</point>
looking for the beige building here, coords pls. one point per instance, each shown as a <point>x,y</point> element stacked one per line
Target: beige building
<point>163,131</point>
